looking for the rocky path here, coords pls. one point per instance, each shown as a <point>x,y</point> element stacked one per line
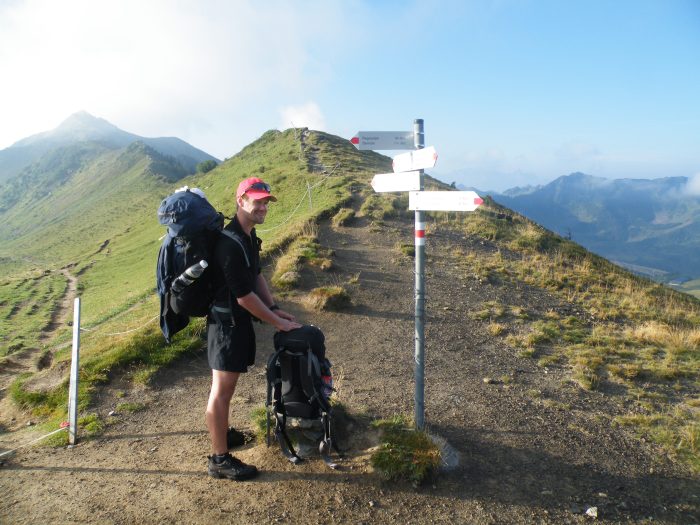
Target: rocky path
<point>533,448</point>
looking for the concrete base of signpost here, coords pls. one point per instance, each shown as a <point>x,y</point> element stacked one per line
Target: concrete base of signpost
<point>449,456</point>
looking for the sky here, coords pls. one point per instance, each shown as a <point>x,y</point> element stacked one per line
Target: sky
<point>512,92</point>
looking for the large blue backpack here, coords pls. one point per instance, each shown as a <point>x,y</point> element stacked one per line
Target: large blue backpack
<point>194,228</point>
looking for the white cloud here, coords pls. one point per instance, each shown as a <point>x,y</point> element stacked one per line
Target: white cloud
<point>307,115</point>
<point>693,186</point>
<point>203,71</point>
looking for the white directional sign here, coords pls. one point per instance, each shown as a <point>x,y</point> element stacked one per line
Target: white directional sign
<point>444,201</point>
<point>419,159</point>
<point>383,140</point>
<point>408,181</point>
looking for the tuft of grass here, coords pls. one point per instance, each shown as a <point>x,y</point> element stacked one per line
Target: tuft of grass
<point>496,329</point>
<point>130,407</point>
<point>409,250</point>
<point>91,425</point>
<point>304,248</point>
<point>404,452</point>
<point>333,298</point>
<point>258,418</point>
<point>343,217</point>
<point>670,430</point>
<point>492,310</point>
<point>381,206</point>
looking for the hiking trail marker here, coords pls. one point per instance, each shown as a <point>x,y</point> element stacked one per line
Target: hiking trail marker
<point>408,176</point>
<point>383,140</point>
<point>444,200</point>
<point>419,159</point>
<point>407,181</point>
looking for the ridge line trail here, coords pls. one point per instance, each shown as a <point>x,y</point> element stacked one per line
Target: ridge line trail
<point>533,446</point>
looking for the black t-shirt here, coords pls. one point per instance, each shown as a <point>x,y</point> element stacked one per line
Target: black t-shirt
<point>233,278</point>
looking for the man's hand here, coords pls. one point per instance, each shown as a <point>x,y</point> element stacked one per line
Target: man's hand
<point>284,315</point>
<point>285,325</point>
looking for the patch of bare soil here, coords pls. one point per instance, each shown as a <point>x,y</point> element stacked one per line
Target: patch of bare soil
<point>533,447</point>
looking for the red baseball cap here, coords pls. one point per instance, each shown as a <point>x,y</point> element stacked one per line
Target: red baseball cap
<point>256,188</point>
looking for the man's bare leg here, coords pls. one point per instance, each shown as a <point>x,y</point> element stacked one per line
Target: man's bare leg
<point>223,385</point>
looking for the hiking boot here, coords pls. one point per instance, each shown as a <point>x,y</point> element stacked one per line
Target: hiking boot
<point>234,438</point>
<point>231,468</point>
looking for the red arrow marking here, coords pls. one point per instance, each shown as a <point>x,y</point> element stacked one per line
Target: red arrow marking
<point>478,201</point>
<point>355,140</point>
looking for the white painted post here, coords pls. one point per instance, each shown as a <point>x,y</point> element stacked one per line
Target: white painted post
<point>73,388</point>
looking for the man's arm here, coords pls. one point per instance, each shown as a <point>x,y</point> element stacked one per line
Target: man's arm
<point>263,291</point>
<point>254,304</point>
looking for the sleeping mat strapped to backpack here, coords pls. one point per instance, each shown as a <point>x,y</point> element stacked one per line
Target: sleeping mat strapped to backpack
<point>299,385</point>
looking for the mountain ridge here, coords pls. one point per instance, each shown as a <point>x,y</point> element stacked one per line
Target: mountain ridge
<point>644,222</point>
<point>84,127</point>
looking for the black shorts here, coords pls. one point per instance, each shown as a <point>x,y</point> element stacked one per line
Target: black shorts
<point>231,348</point>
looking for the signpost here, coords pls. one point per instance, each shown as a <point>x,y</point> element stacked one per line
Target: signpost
<point>408,176</point>
<point>383,140</point>
<point>444,200</point>
<point>419,159</point>
<point>408,181</point>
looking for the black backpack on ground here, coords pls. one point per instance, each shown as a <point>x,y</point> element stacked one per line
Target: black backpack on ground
<point>299,386</point>
<point>194,228</point>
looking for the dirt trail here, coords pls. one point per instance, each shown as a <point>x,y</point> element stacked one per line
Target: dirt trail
<point>533,447</point>
<point>64,309</point>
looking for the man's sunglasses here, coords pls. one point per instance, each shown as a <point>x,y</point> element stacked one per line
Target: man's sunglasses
<point>259,186</point>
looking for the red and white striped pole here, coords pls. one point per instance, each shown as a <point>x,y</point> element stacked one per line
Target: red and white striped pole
<point>419,368</point>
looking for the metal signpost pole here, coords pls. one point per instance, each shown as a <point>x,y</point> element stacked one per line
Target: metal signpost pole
<point>419,371</point>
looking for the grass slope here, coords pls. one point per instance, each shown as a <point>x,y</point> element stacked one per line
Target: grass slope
<point>102,226</point>
<point>625,336</point>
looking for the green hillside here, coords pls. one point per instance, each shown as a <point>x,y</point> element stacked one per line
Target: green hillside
<point>94,213</point>
<point>619,334</point>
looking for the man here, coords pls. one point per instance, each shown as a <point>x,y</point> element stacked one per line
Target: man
<point>242,293</point>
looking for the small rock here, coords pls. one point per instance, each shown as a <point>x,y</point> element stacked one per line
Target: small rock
<point>112,413</point>
<point>30,423</point>
<point>489,380</point>
<point>592,512</point>
<point>372,503</point>
<point>154,449</point>
<point>546,493</point>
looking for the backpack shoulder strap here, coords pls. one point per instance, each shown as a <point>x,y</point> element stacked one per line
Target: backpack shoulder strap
<point>237,239</point>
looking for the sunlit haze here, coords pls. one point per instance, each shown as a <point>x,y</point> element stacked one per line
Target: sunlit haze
<point>512,92</point>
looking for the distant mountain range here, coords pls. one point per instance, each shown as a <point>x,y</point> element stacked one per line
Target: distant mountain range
<point>83,127</point>
<point>650,226</point>
<point>80,182</point>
